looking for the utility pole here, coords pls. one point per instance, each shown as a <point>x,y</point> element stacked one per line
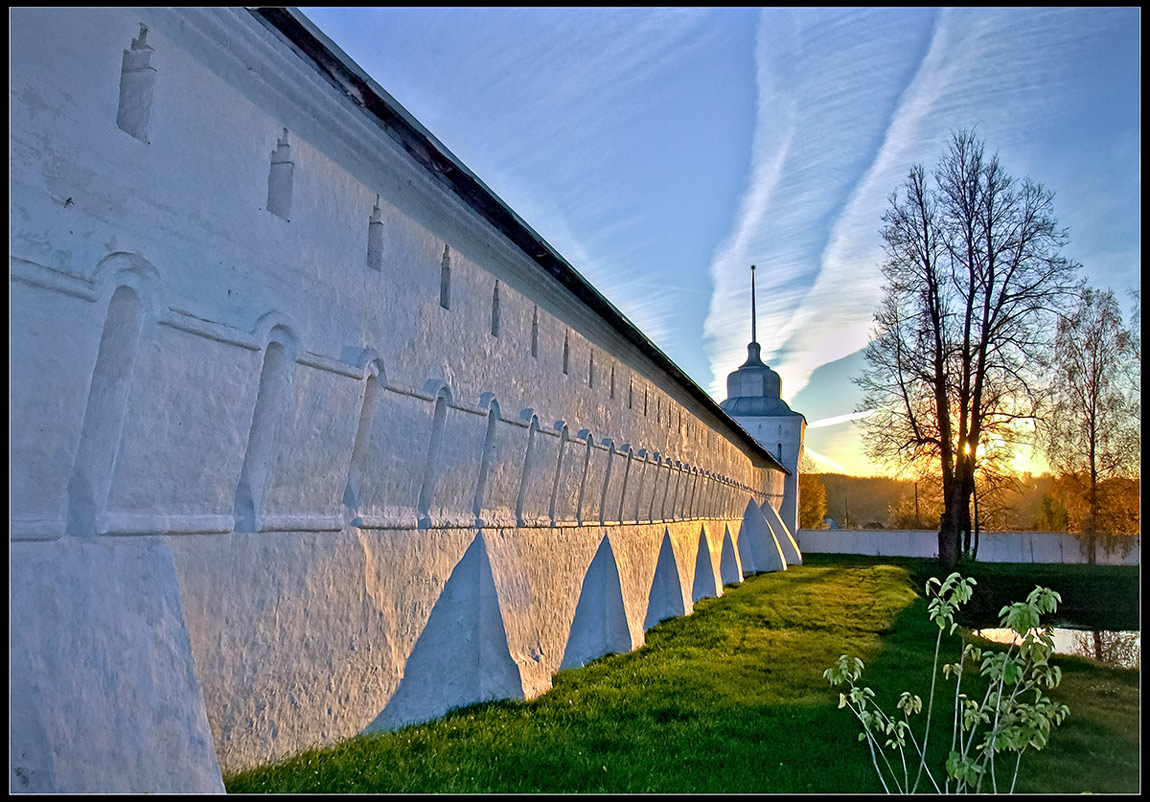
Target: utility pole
<point>917,519</point>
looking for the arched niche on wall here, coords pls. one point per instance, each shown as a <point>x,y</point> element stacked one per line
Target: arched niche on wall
<point>529,460</point>
<point>663,498</point>
<point>693,508</point>
<point>487,458</point>
<point>640,481</point>
<point>375,380</point>
<point>586,436</point>
<point>624,481</point>
<point>564,436</point>
<point>605,489</point>
<point>690,474</point>
<point>443,400</point>
<point>280,349</point>
<point>683,505</point>
<point>654,464</point>
<point>675,492</point>
<point>131,285</point>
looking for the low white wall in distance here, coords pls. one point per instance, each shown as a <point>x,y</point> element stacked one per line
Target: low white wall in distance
<point>1002,547</point>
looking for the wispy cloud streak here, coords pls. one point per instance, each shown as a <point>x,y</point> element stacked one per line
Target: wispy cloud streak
<point>859,100</point>
<point>824,461</point>
<point>837,419</point>
<point>821,117</point>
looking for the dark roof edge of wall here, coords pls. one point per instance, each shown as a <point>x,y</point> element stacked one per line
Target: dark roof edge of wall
<point>347,77</point>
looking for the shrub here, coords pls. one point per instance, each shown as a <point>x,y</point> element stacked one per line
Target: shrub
<point>1014,714</point>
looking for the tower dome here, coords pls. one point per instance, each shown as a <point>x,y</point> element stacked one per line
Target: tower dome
<point>755,389</point>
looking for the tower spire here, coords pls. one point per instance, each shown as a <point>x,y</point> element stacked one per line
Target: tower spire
<point>754,339</point>
<point>753,348</point>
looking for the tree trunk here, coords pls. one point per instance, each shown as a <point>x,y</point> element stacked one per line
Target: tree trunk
<point>947,543</point>
<point>962,488</point>
<point>974,546</point>
<point>950,530</point>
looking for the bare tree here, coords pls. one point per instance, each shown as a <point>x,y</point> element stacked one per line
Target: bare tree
<point>974,278</point>
<point>1093,432</point>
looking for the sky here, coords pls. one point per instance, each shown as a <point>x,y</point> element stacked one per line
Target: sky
<point>663,151</point>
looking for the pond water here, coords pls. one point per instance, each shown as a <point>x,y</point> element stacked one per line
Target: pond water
<point>1114,648</point>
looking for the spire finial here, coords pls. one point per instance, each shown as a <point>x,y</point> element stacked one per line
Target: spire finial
<point>754,338</point>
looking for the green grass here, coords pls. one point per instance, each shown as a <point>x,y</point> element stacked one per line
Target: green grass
<point>732,700</point>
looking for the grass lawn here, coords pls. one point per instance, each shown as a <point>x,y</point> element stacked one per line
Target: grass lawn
<point>732,699</point>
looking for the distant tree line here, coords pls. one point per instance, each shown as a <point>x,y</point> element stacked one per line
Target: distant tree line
<point>1043,503</point>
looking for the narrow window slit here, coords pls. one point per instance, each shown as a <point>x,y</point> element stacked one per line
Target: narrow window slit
<point>535,332</point>
<point>280,179</point>
<point>375,238</point>
<point>445,278</point>
<point>137,84</point>
<point>495,311</point>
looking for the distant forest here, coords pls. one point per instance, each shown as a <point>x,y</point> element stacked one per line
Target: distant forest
<point>856,502</point>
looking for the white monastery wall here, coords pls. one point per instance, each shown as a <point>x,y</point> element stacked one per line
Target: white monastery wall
<point>301,444</point>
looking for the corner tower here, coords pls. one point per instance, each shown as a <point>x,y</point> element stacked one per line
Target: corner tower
<point>754,400</point>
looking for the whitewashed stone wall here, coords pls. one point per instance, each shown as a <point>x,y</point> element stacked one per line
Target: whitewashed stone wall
<point>302,445</point>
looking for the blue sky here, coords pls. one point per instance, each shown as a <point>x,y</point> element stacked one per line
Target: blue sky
<point>663,151</point>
